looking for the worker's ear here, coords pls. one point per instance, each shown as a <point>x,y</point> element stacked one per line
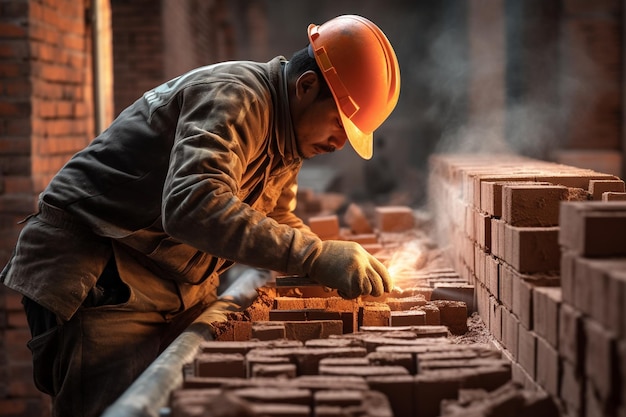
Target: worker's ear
<point>307,86</point>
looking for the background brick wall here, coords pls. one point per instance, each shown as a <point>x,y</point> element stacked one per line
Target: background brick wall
<point>47,115</point>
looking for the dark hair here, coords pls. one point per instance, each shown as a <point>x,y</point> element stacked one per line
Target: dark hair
<point>302,62</point>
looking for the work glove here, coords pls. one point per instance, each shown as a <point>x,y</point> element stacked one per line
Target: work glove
<point>350,269</point>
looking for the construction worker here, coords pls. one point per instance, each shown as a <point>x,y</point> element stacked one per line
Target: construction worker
<point>199,173</point>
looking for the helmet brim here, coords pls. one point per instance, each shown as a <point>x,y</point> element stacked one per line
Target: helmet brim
<point>361,142</point>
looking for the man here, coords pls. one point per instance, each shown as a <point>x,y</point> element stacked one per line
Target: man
<point>132,234</point>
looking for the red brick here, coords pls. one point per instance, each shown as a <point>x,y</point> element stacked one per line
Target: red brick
<point>495,318</point>
<point>220,365</point>
<point>616,303</point>
<point>400,390</point>
<point>527,350</point>
<point>532,205</point>
<point>546,304</point>
<point>571,335</point>
<point>492,279</point>
<point>405,303</point>
<point>571,390</point>
<point>510,332</point>
<point>505,289</point>
<point>609,196</point>
<point>568,276</point>
<point>584,226</point>
<point>326,227</point>
<point>268,331</point>
<point>453,315</point>
<point>375,315</point>
<point>547,367</point>
<point>356,220</point>
<point>394,218</point>
<point>598,187</point>
<point>601,362</point>
<point>408,318</point>
<point>363,371</point>
<point>532,249</point>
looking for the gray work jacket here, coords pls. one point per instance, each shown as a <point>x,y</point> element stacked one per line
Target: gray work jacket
<point>198,173</point>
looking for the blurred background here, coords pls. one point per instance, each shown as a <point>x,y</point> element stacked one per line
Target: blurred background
<point>541,78</point>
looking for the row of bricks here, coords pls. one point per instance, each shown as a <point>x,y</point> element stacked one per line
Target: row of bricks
<point>387,219</point>
<point>469,173</point>
<point>278,401</point>
<point>306,324</point>
<point>414,374</point>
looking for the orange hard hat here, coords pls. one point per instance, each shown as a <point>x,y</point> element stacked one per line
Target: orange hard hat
<point>361,69</point>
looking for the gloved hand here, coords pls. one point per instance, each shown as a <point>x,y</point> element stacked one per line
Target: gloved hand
<point>350,269</point>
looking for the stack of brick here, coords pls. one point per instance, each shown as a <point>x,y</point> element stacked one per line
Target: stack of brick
<point>500,217</point>
<point>591,346</point>
<point>375,373</point>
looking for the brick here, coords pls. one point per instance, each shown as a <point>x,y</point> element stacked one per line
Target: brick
<point>287,370</point>
<point>433,387</point>
<point>491,198</point>
<point>364,239</point>
<point>394,218</point>
<point>571,335</point>
<point>288,303</point>
<point>568,276</point>
<point>598,187</point>
<point>532,205</point>
<point>601,363</point>
<point>278,409</point>
<point>405,360</point>
<point>405,303</point>
<point>453,315</point>
<point>522,304</point>
<point>356,219</point>
<point>306,359</point>
<point>220,365</point>
<point>610,196</point>
<point>317,329</point>
<point>548,372</point>
<point>363,371</point>
<point>497,237</point>
<point>510,332</point>
<point>546,304</point>
<point>400,390</point>
<point>571,390</point>
<point>495,318</point>
<point>584,226</point>
<point>492,269</point>
<point>455,292</point>
<point>616,303</point>
<point>375,315</point>
<point>326,227</point>
<point>527,350</point>
<point>506,286</point>
<point>341,398</point>
<point>408,318</point>
<point>268,331</point>
<point>253,361</point>
<point>483,230</point>
<point>532,249</point>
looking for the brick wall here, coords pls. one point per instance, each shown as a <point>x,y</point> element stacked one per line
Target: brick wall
<point>46,115</point>
<point>545,252</point>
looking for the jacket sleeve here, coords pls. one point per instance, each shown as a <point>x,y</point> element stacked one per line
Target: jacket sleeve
<point>283,212</point>
<point>218,127</point>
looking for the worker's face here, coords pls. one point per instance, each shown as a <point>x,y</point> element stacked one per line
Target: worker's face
<point>316,121</point>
